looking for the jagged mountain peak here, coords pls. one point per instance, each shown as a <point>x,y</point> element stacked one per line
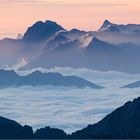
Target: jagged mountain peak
<point>109,27</point>
<point>105,24</point>
<point>46,23</point>
<point>38,23</point>
<point>50,22</point>
<point>42,30</point>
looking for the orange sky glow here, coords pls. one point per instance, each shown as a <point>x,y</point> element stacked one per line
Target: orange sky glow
<point>17,15</point>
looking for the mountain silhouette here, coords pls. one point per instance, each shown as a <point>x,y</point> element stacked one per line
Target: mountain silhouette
<point>123,123</point>
<point>105,24</point>
<point>132,85</point>
<point>41,31</point>
<point>50,133</point>
<point>12,79</point>
<point>109,26</point>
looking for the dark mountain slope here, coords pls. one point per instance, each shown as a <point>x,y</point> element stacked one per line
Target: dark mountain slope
<point>123,123</point>
<point>50,133</point>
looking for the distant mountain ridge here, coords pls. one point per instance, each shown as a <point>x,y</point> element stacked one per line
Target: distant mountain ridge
<point>110,27</point>
<point>132,85</point>
<point>123,123</point>
<point>12,79</point>
<point>129,28</point>
<point>98,55</point>
<point>47,44</point>
<point>41,30</point>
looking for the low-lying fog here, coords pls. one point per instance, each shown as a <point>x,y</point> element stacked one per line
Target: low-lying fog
<point>67,108</point>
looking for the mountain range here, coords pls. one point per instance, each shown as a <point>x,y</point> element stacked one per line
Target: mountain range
<point>12,79</point>
<point>129,28</point>
<point>47,44</point>
<point>123,123</point>
<point>132,85</point>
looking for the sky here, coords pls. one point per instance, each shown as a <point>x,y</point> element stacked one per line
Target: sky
<point>17,15</point>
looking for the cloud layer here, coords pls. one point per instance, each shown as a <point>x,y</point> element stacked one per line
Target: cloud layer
<point>67,108</point>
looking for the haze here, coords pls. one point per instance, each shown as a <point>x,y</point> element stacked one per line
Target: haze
<point>17,15</point>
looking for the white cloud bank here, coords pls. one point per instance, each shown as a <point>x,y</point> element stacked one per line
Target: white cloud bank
<point>69,109</point>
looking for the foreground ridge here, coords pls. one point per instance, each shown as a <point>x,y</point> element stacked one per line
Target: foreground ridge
<point>123,123</point>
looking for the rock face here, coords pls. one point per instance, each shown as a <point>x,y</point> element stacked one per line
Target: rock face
<point>123,123</point>
<point>12,79</point>
<point>109,27</point>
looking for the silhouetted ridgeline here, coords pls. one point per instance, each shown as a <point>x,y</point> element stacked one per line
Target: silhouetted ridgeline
<point>123,123</point>
<point>12,79</point>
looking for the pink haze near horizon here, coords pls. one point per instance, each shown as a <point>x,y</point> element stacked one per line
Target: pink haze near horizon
<point>17,15</point>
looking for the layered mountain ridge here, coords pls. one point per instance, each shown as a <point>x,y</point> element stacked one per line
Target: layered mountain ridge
<point>48,44</point>
<point>37,78</point>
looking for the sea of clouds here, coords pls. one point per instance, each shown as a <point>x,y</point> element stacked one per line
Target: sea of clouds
<point>67,108</point>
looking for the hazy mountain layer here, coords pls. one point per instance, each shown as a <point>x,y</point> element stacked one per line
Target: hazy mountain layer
<point>47,44</point>
<point>12,79</point>
<point>133,85</point>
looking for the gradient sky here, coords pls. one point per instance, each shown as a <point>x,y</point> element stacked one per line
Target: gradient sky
<point>17,15</point>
